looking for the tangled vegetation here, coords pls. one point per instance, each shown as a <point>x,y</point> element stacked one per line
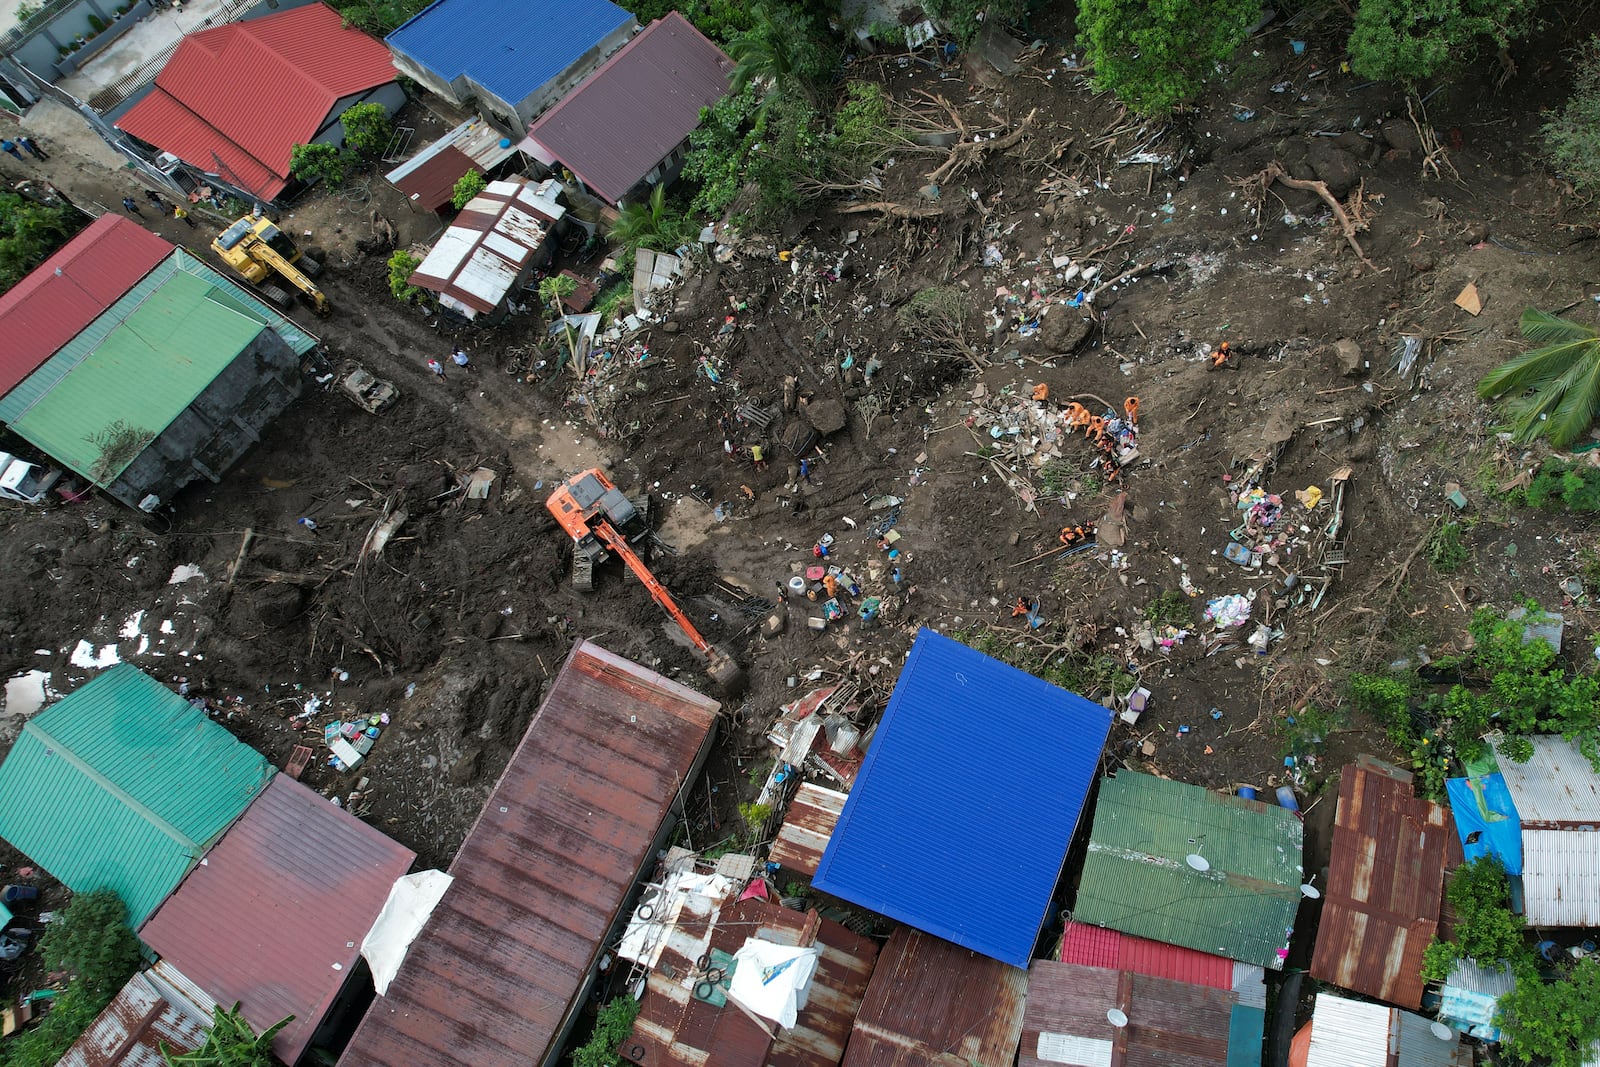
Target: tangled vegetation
<point>402,265</point>
<point>1076,670</point>
<point>1509,684</point>
<point>29,233</point>
<point>321,162</point>
<point>468,186</point>
<point>1409,41</point>
<point>1486,930</point>
<point>1572,136</point>
<point>612,1026</point>
<point>231,1042</point>
<point>1561,486</point>
<point>1157,54</point>
<point>1554,1021</point>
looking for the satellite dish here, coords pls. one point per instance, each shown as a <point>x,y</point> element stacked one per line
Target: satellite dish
<point>1310,892</point>
<point>1117,1017</point>
<point>1443,1032</point>
<point>1197,861</point>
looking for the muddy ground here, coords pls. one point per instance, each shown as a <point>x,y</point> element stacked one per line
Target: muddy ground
<point>457,627</point>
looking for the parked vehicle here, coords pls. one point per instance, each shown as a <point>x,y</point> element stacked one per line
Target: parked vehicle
<point>24,482</point>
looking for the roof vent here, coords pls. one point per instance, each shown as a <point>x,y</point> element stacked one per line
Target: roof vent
<point>1117,1017</point>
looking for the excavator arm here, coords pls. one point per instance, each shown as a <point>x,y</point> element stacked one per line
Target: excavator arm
<point>264,253</point>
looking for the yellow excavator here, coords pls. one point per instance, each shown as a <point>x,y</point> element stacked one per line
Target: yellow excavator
<point>262,255</point>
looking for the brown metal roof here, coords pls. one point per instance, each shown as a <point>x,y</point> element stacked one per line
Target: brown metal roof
<point>676,1030</point>
<point>431,185</point>
<point>934,1004</point>
<point>1386,877</point>
<point>488,248</point>
<point>540,880</point>
<point>1170,1023</point>
<point>636,107</point>
<point>812,815</point>
<point>273,917</point>
<point>132,1028</point>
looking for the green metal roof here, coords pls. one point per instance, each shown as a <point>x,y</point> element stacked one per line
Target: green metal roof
<point>1137,876</point>
<point>124,785</point>
<point>141,376</point>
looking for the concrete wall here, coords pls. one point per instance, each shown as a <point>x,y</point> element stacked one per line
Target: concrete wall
<point>222,424</point>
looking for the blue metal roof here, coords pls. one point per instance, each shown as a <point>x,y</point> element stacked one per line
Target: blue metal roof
<point>509,47</point>
<point>959,820</point>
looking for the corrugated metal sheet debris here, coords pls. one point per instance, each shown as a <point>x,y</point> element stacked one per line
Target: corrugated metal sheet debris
<point>1555,788</point>
<point>45,310</point>
<point>809,822</point>
<point>544,873</point>
<point>275,917</point>
<point>1138,878</point>
<point>935,1004</point>
<point>1386,881</point>
<point>640,104</point>
<point>131,1030</point>
<point>140,784</point>
<point>965,744</point>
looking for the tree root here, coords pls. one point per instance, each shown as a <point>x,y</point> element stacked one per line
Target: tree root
<point>1276,173</point>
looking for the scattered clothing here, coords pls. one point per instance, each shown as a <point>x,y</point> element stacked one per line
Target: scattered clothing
<point>131,207</point>
<point>310,524</point>
<point>10,147</point>
<point>437,368</point>
<point>33,148</point>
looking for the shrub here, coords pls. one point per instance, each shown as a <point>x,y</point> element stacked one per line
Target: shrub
<point>311,162</point>
<point>612,1026</point>
<point>1444,549</point>
<point>1559,485</point>
<point>367,128</point>
<point>402,265</point>
<point>468,186</point>
<point>962,17</point>
<point>1572,138</point>
<point>1486,930</point>
<point>1555,1022</point>
<point>1157,54</point>
<point>1409,41</point>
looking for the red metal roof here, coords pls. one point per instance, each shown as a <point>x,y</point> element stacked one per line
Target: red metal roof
<point>274,915</point>
<point>934,1004</point>
<point>1093,946</point>
<point>542,876</point>
<point>676,1030</point>
<point>1386,880</point>
<point>636,107</point>
<point>42,312</point>
<point>235,99</point>
<point>1170,1023</point>
<point>432,185</point>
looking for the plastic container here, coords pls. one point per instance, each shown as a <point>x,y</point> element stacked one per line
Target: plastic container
<point>1246,792</point>
<point>1286,798</point>
<point>797,586</point>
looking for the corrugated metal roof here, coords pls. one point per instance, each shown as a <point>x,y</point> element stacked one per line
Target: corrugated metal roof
<point>1137,878</point>
<point>1351,1033</point>
<point>978,771</point>
<point>141,376</point>
<point>543,874</point>
<point>542,39</point>
<point>676,1030</point>
<point>274,917</point>
<point>1171,1023</point>
<point>809,822</point>
<point>1385,884</point>
<point>934,1004</point>
<point>429,177</point>
<point>1468,997</point>
<point>133,1027</point>
<point>204,112</point>
<point>123,785</point>
<point>482,254</point>
<point>1093,946</point>
<point>1557,797</point>
<point>1556,789</point>
<point>636,107</point>
<point>45,310</point>
<point>88,340</point>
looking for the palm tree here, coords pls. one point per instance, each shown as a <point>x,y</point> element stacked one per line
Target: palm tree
<point>1551,391</point>
<point>776,52</point>
<point>638,223</point>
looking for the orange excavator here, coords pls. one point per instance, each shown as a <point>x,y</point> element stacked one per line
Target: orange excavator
<point>602,522</point>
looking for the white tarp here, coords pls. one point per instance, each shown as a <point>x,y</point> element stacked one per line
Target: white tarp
<point>412,899</point>
<point>660,907</point>
<point>773,980</point>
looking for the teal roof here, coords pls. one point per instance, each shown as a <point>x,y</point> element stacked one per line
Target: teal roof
<point>123,785</point>
<point>1137,877</point>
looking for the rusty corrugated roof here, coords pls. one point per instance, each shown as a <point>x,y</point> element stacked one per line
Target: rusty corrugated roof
<point>133,1027</point>
<point>676,1030</point>
<point>274,916</point>
<point>1386,880</point>
<point>1175,1024</point>
<point>486,251</point>
<point>540,880</point>
<point>809,823</point>
<point>935,1004</point>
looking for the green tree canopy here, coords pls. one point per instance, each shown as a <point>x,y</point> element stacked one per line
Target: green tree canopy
<point>1157,54</point>
<point>1409,41</point>
<point>1553,1022</point>
<point>29,233</point>
<point>309,162</point>
<point>468,186</point>
<point>367,128</point>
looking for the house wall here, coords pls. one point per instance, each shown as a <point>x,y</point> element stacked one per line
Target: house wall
<point>456,92</point>
<point>224,421</point>
<point>389,94</point>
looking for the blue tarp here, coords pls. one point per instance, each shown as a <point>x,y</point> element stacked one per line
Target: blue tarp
<point>1482,807</point>
<point>959,820</point>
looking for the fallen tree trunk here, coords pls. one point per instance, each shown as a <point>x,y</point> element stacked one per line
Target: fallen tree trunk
<point>969,153</point>
<point>893,210</point>
<point>1276,173</point>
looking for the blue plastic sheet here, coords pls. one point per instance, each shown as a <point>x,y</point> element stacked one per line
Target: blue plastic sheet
<point>1486,819</point>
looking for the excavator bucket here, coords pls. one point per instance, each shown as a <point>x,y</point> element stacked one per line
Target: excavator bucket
<point>725,671</point>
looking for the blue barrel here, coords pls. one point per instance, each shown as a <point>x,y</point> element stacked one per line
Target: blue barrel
<point>1286,798</point>
<point>1247,792</point>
